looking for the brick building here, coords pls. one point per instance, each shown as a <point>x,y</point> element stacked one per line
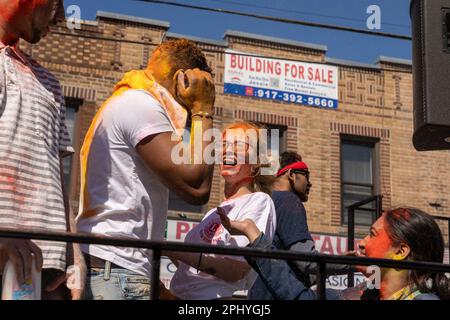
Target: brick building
<point>372,126</point>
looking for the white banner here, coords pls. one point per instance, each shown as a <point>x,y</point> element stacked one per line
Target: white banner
<point>309,84</point>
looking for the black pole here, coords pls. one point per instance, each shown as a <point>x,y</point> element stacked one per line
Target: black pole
<point>321,278</point>
<point>156,265</point>
<point>381,206</point>
<point>377,208</point>
<point>448,230</point>
<point>351,242</point>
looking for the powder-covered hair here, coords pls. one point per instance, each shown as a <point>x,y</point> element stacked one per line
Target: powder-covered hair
<point>183,54</point>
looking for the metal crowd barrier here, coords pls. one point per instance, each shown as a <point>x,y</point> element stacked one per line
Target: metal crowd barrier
<point>159,246</point>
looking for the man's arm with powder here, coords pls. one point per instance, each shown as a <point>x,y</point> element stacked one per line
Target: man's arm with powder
<point>192,182</point>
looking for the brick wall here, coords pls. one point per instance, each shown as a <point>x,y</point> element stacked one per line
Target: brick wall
<point>373,102</point>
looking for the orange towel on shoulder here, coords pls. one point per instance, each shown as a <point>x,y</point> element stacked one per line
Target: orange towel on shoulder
<point>136,79</point>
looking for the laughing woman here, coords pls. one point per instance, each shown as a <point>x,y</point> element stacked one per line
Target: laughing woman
<point>247,197</point>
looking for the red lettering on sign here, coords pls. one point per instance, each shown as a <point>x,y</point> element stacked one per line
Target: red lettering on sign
<point>240,63</point>
<point>339,246</point>
<point>250,63</point>
<point>318,77</point>
<point>233,61</point>
<point>294,72</point>
<point>182,228</point>
<point>286,69</point>
<point>270,67</point>
<point>327,246</point>
<point>278,68</point>
<point>301,74</point>
<point>258,65</point>
<point>310,74</point>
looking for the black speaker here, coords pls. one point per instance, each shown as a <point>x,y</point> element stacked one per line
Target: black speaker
<point>431,73</point>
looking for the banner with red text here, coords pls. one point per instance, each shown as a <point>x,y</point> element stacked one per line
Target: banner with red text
<point>304,83</point>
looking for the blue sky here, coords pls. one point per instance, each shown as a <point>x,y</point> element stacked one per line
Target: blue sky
<point>343,45</point>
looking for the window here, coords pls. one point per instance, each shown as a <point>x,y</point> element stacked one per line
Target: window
<point>359,168</point>
<point>282,142</point>
<point>274,150</point>
<point>71,113</point>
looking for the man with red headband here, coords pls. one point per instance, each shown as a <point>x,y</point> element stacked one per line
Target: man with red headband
<point>33,141</point>
<point>290,190</point>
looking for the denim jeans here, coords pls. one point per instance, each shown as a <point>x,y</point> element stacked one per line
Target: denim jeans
<point>116,284</point>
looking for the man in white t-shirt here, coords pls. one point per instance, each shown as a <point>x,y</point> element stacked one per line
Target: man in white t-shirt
<point>127,169</point>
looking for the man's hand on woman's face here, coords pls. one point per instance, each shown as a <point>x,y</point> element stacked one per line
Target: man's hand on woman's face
<point>196,89</point>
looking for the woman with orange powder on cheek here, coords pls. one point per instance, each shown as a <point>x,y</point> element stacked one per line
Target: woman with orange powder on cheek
<point>401,234</point>
<point>210,276</point>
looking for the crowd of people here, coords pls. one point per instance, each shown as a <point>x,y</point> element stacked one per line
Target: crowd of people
<point>127,170</point>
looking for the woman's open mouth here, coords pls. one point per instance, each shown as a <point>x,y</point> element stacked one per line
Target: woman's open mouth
<point>229,161</point>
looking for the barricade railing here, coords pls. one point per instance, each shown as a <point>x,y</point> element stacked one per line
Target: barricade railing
<point>158,246</point>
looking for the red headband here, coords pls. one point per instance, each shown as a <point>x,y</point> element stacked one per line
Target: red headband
<point>296,165</point>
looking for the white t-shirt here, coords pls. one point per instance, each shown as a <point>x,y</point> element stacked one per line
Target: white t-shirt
<point>131,199</point>
<point>187,283</point>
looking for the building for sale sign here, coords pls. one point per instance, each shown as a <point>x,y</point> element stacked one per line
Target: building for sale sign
<point>309,84</point>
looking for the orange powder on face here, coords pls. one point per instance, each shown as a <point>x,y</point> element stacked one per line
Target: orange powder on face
<point>164,66</point>
<point>379,246</point>
<point>238,132</point>
<point>234,134</point>
<point>159,63</point>
<point>9,11</point>
<point>12,9</point>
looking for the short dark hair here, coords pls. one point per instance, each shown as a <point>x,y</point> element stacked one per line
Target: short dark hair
<point>184,54</point>
<point>289,157</point>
